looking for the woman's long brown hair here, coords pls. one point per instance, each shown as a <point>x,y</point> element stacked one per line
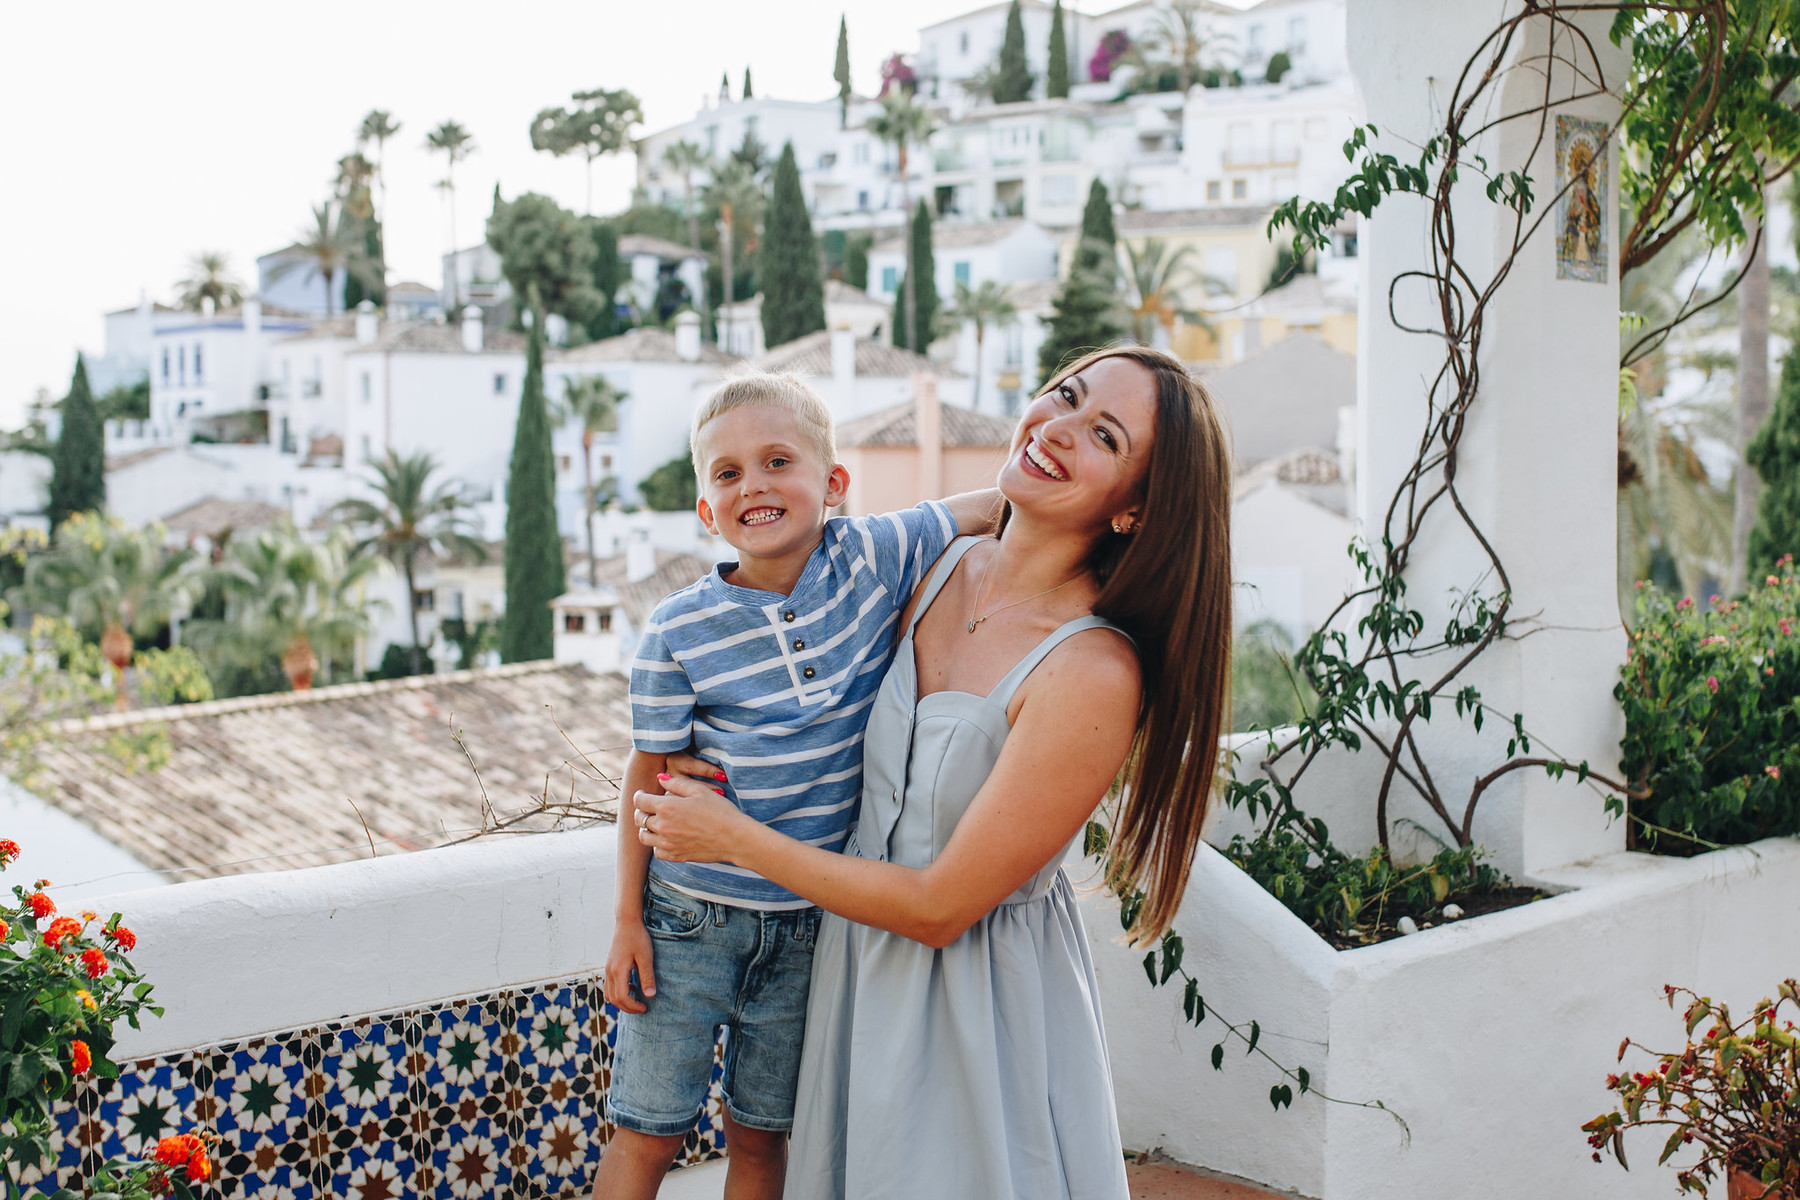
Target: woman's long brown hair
<point>1168,585</point>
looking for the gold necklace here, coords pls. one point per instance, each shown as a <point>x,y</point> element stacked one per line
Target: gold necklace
<point>981,592</point>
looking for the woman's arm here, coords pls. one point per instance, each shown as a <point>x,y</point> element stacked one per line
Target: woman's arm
<point>1069,738</point>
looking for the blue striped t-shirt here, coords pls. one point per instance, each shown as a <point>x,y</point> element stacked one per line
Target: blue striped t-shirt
<point>777,689</point>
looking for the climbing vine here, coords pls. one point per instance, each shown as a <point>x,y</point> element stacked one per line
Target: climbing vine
<point>1708,121</point>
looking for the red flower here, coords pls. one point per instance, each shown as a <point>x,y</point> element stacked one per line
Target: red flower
<point>5,929</point>
<point>41,906</point>
<point>177,1150</point>
<point>198,1167</point>
<point>126,939</point>
<point>1712,683</point>
<point>9,850</point>
<point>60,931</point>
<point>94,961</point>
<point>80,1058</point>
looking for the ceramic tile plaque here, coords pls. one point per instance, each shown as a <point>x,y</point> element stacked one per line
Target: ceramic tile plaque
<point>1581,178</point>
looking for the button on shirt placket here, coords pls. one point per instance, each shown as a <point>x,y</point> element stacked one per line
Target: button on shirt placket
<point>792,644</point>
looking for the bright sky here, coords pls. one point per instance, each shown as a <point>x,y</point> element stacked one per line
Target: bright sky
<point>133,136</point>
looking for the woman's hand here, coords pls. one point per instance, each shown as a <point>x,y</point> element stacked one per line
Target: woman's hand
<point>690,822</point>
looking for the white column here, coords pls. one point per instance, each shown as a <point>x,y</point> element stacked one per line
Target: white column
<point>1536,466</point>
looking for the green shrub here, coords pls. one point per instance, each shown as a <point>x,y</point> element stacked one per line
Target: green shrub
<point>1267,692</point>
<point>1712,716</point>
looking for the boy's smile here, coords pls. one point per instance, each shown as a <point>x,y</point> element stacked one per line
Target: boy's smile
<point>765,489</point>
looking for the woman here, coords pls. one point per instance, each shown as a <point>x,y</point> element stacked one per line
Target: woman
<point>953,1041</point>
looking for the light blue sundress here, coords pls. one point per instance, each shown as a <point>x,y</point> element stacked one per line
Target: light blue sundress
<point>978,1071</point>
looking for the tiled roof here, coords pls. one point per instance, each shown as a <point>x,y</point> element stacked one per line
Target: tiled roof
<point>432,337</point>
<point>839,292</point>
<point>411,289</point>
<point>212,516</point>
<point>265,783</point>
<point>898,426</point>
<point>640,345</point>
<point>342,326</point>
<point>1033,293</point>
<point>956,235</point>
<point>120,461</point>
<point>674,571</point>
<point>1149,222</point>
<point>811,355</point>
<point>644,243</point>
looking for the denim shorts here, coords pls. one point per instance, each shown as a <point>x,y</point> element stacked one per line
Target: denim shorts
<point>715,965</point>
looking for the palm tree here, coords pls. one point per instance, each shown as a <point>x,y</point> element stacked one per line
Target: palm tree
<point>984,307</point>
<point>289,599</point>
<point>413,520</point>
<point>904,124</point>
<point>1182,35</point>
<point>210,278</point>
<point>684,158</point>
<point>378,127</point>
<point>456,144</point>
<point>735,193</point>
<point>1155,281</point>
<point>113,583</point>
<point>325,248</point>
<point>594,401</point>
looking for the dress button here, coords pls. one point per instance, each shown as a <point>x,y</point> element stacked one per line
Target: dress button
<point>788,615</point>
<point>799,645</point>
<point>809,672</point>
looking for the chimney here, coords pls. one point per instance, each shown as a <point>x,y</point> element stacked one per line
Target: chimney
<point>843,362</point>
<point>687,336</point>
<point>471,329</point>
<point>640,557</point>
<point>366,323</point>
<point>143,308</point>
<point>928,419</point>
<point>253,316</point>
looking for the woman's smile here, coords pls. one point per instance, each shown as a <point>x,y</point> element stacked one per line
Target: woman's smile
<point>1038,461</point>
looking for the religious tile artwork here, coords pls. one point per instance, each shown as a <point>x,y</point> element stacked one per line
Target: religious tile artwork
<point>494,1095</point>
<point>1581,180</point>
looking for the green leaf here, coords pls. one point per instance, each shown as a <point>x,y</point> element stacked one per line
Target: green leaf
<point>1305,1079</point>
<point>1255,1033</point>
<point>1150,967</point>
<point>1218,1057</point>
<point>1281,1094</point>
<point>1672,1145</point>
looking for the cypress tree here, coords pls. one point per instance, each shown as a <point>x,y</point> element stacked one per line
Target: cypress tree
<point>856,262</point>
<point>793,291</point>
<point>608,275</point>
<point>1012,82</point>
<point>78,461</point>
<point>841,73</point>
<point>925,297</point>
<point>534,552</point>
<point>747,92</point>
<point>1085,315</point>
<point>1775,453</point>
<point>1056,74</point>
<point>725,85</point>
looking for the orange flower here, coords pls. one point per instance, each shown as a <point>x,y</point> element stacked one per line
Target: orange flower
<point>126,939</point>
<point>94,960</point>
<point>80,1058</point>
<point>5,929</point>
<point>41,906</point>
<point>9,850</point>
<point>88,914</point>
<point>175,1151</point>
<point>60,931</point>
<point>87,999</point>
<point>198,1166</point>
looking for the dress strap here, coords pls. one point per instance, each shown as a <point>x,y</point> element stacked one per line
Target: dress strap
<point>940,575</point>
<point>1002,694</point>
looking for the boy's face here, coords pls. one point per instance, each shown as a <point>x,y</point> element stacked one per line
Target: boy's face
<point>763,487</point>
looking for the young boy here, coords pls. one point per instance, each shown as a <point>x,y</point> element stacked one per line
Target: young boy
<point>767,667</point>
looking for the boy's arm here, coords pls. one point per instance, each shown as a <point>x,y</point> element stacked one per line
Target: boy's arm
<point>631,943</point>
<point>976,513</point>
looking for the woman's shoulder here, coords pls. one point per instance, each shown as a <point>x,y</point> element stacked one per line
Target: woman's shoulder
<point>1091,670</point>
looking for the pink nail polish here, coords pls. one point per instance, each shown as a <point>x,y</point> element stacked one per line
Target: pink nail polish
<point>719,775</point>
<point>664,778</point>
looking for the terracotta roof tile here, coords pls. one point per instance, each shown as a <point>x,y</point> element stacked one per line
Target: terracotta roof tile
<point>212,516</point>
<point>266,783</point>
<point>811,355</point>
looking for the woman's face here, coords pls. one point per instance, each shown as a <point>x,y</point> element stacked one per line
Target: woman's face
<point>1082,447</point>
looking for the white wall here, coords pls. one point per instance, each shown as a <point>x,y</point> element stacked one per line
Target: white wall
<point>53,845</point>
<point>1295,551</point>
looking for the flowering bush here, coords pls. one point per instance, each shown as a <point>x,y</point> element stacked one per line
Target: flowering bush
<point>896,73</point>
<point>1114,45</point>
<point>1735,1093</point>
<point>1712,716</point>
<point>62,987</point>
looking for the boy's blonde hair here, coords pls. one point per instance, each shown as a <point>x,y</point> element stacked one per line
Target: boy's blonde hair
<point>767,389</point>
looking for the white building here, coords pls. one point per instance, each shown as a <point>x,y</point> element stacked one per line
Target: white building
<point>207,372</point>
<point>846,307</point>
<point>858,376</point>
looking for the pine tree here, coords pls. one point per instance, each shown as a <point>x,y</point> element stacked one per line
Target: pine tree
<point>1056,74</point>
<point>534,552</point>
<point>793,291</point>
<point>1012,82</point>
<point>1085,315</point>
<point>747,92</point>
<point>78,461</point>
<point>841,73</point>
<point>1775,453</point>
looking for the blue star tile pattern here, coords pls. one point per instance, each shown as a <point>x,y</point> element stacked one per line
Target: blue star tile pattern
<point>490,1095</point>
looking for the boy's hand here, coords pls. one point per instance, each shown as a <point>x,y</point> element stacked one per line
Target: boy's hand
<point>630,950</point>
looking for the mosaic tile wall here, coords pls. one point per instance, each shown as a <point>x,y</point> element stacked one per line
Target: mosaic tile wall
<point>495,1095</point>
